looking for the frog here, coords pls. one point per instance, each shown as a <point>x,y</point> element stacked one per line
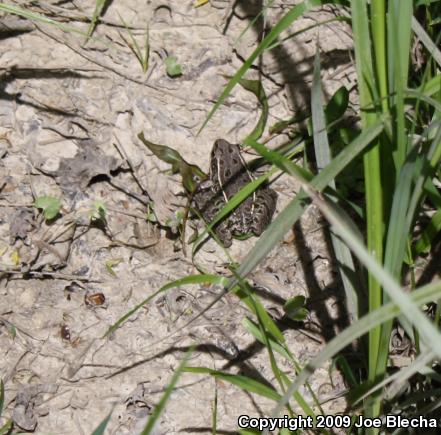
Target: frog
<point>229,173</point>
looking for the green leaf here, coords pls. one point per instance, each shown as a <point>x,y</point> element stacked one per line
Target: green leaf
<point>2,396</point>
<point>6,428</point>
<point>98,211</point>
<point>99,6</point>
<point>102,426</point>
<point>175,222</point>
<point>357,329</point>
<point>295,308</point>
<point>426,40</point>
<point>319,119</point>
<point>337,105</point>
<point>50,206</point>
<point>41,19</point>
<point>254,329</point>
<point>112,262</point>
<point>255,86</point>
<point>172,66</point>
<point>279,126</point>
<point>255,305</point>
<point>433,228</point>
<point>12,330</point>
<point>151,217</point>
<point>189,173</point>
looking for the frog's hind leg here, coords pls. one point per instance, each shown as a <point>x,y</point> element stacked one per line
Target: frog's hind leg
<point>222,229</point>
<point>223,232</point>
<point>264,208</point>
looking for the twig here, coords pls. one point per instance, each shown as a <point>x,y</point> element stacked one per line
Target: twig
<point>124,154</point>
<point>57,275</point>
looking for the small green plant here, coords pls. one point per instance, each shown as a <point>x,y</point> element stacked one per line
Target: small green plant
<point>150,215</point>
<point>175,222</point>
<point>111,263</point>
<point>142,56</point>
<point>99,6</point>
<point>295,308</point>
<point>98,212</point>
<point>172,66</point>
<point>190,174</point>
<point>7,427</point>
<point>50,205</point>
<point>101,428</point>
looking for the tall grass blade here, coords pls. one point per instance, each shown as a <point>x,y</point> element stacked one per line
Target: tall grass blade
<point>281,25</point>
<point>399,377</point>
<point>192,279</point>
<point>2,396</point>
<point>323,157</point>
<point>427,41</point>
<point>423,168</point>
<point>159,409</point>
<point>399,18</point>
<point>287,218</point>
<point>243,382</point>
<point>368,91</point>
<point>359,328</point>
<point>429,334</point>
<point>32,16</point>
<point>99,6</point>
<point>100,430</point>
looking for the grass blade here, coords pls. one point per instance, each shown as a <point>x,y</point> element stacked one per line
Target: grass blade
<point>102,426</point>
<point>243,382</point>
<point>427,41</point>
<point>287,218</point>
<point>159,409</point>
<point>323,157</point>
<point>281,25</point>
<point>192,279</point>
<point>99,6</point>
<point>356,330</point>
